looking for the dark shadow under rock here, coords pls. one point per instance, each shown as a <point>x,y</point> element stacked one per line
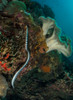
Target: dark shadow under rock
<point>40,86</point>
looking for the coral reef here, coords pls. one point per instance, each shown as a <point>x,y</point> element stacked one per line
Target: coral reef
<point>53,37</point>
<point>12,31</point>
<point>44,76</point>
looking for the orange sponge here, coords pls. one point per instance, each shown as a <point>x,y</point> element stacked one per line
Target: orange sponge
<point>45,69</point>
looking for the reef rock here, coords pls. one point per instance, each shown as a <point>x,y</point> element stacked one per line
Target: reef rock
<point>3,86</point>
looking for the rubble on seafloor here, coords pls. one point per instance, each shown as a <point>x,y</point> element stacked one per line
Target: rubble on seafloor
<point>44,76</point>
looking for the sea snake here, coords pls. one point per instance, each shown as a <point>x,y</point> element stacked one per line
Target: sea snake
<point>26,48</point>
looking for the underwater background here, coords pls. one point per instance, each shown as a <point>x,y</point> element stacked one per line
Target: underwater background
<point>36,50</point>
<point>63,15</point>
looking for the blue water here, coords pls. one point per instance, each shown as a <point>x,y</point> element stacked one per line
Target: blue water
<point>63,10</point>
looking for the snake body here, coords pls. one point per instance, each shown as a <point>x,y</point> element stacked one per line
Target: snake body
<point>28,58</point>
